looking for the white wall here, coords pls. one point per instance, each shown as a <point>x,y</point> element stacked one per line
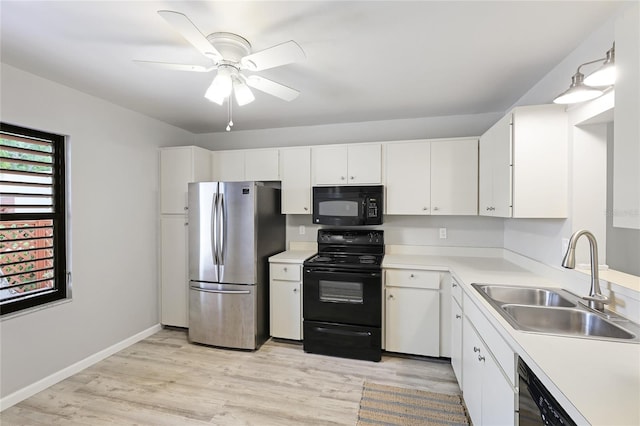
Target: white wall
<point>114,221</point>
<point>462,231</point>
<point>371,131</point>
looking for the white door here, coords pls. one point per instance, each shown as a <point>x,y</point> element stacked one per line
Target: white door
<point>454,177</point>
<point>472,372</point>
<point>456,340</point>
<point>364,164</point>
<point>295,172</point>
<point>228,166</point>
<point>286,309</point>
<point>174,281</point>
<point>261,164</point>
<point>498,397</point>
<point>176,171</point>
<point>412,321</point>
<point>407,178</point>
<point>329,165</point>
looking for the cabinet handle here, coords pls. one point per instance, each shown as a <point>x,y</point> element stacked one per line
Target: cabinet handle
<point>284,269</point>
<point>341,177</point>
<point>390,296</point>
<point>436,209</point>
<point>186,208</point>
<point>454,284</point>
<point>295,290</point>
<point>458,316</point>
<point>412,276</point>
<point>476,349</point>
<point>352,178</point>
<point>425,209</point>
<point>306,209</point>
<point>480,358</point>
<point>186,224</point>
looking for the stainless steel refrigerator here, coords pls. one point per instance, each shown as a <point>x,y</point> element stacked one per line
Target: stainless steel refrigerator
<point>233,228</point>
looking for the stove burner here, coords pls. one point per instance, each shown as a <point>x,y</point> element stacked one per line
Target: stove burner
<point>367,259</point>
<point>322,259</point>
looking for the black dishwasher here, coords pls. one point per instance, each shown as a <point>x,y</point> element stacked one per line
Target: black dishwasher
<point>536,404</point>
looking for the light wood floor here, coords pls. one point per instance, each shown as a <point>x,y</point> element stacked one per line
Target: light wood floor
<point>164,380</point>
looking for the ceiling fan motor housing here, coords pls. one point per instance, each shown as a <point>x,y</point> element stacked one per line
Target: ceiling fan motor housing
<point>231,46</point>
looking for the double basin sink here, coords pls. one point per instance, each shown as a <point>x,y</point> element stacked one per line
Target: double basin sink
<point>556,312</point>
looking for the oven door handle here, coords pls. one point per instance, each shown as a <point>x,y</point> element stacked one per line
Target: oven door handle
<point>342,332</point>
<point>350,273</point>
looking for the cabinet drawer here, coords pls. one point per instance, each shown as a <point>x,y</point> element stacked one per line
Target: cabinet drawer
<point>456,291</point>
<point>412,278</point>
<point>285,271</point>
<point>501,351</point>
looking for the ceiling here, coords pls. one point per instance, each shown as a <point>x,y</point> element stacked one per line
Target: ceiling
<point>366,60</point>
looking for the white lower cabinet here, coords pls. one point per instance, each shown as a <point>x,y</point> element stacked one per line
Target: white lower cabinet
<point>285,300</point>
<point>488,371</point>
<point>174,285</point>
<point>412,312</point>
<point>456,340</point>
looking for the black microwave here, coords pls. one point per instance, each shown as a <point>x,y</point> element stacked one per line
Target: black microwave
<point>347,205</point>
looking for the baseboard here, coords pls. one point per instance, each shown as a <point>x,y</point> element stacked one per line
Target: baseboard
<point>58,376</point>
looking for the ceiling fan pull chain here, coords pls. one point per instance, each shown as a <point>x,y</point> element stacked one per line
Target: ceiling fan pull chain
<point>230,123</point>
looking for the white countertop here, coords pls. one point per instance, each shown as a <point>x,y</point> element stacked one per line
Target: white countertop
<point>292,256</point>
<point>595,381</point>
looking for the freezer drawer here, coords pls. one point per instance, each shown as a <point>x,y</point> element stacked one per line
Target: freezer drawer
<point>223,315</point>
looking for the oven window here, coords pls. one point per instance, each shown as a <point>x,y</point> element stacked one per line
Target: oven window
<point>340,291</point>
<point>338,208</point>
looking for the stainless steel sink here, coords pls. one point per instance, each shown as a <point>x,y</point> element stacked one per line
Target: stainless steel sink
<point>526,296</point>
<point>565,321</point>
<point>557,312</point>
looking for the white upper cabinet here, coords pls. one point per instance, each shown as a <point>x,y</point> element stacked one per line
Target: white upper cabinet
<point>295,173</point>
<point>495,170</point>
<point>454,177</point>
<point>626,134</point>
<point>438,177</point>
<point>178,167</point>
<point>245,165</point>
<point>524,164</point>
<point>358,164</point>
<point>408,178</point>
<point>261,164</point>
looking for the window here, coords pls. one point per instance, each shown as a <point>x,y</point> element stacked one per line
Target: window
<point>32,218</point>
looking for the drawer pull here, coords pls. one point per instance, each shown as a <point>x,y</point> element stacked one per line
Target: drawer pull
<point>481,358</point>
<point>458,316</point>
<point>476,349</point>
<point>454,284</point>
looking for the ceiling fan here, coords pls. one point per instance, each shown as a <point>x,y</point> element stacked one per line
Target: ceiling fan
<point>230,54</point>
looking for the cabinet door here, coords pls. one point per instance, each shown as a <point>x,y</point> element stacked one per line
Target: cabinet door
<point>176,171</point>
<point>498,397</point>
<point>412,323</point>
<point>285,307</point>
<point>495,169</point>
<point>364,164</point>
<point>228,166</point>
<point>174,284</point>
<point>295,172</point>
<point>261,164</point>
<point>329,165</point>
<point>454,177</point>
<point>456,340</point>
<point>408,178</point>
<point>472,372</point>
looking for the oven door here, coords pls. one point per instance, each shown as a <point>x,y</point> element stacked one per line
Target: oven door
<point>342,296</point>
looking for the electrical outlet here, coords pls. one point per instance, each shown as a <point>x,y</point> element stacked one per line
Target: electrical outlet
<point>443,233</point>
<point>301,230</point>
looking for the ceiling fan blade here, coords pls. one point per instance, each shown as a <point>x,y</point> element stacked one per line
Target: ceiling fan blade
<point>174,67</point>
<point>191,33</point>
<point>271,87</point>
<point>280,54</point>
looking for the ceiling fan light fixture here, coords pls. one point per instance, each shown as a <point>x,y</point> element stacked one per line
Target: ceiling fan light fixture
<point>577,92</point>
<point>242,93</point>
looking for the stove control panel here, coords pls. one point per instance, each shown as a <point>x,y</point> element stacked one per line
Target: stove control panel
<point>350,237</point>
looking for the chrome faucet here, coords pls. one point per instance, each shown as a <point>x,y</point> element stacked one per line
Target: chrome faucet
<point>595,298</point>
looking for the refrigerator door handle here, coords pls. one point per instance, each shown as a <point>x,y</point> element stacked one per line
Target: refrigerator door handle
<point>223,229</point>
<point>214,228</point>
<point>222,291</point>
